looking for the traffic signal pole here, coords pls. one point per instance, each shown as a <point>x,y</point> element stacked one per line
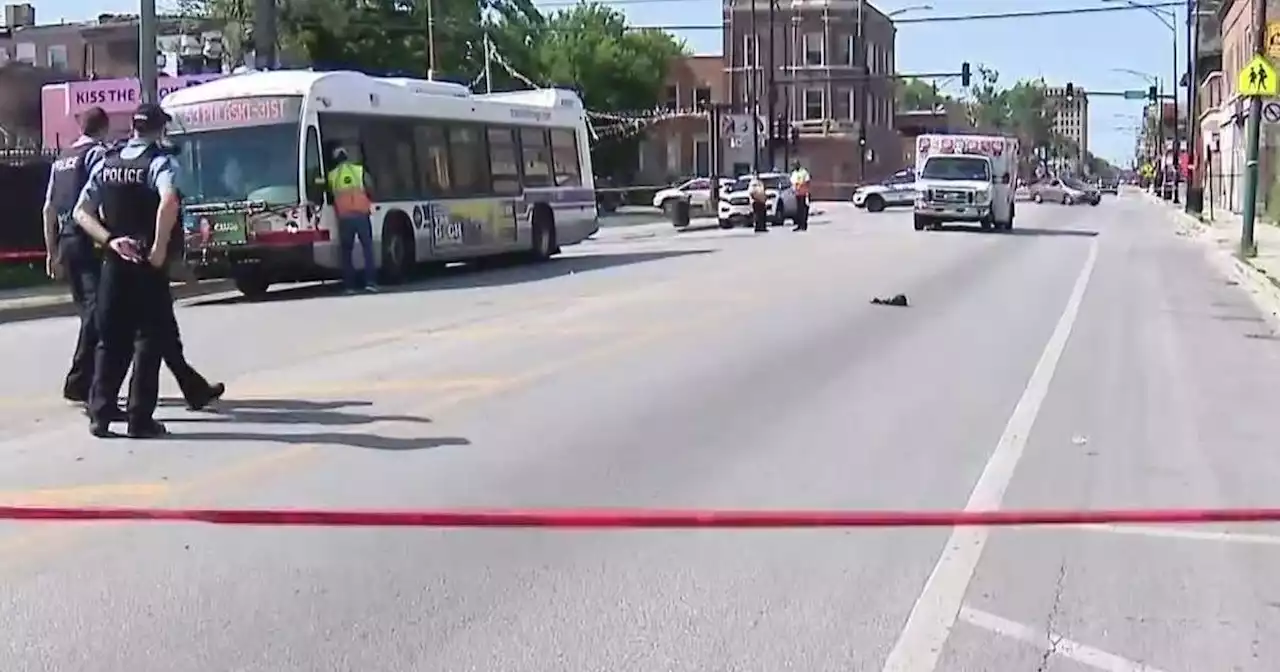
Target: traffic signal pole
<point>1248,247</point>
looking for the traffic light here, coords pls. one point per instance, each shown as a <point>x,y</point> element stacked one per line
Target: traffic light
<point>1071,90</point>
<point>965,75</point>
<point>1153,94</point>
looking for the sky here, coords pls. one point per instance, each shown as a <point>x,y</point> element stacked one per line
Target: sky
<point>1085,50</point>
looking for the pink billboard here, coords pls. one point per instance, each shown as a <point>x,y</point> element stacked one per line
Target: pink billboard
<point>61,104</point>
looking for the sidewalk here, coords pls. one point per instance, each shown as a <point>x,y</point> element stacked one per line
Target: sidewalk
<point>1259,274</point>
<point>34,303</point>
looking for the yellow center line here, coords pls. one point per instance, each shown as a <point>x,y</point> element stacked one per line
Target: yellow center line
<point>240,473</point>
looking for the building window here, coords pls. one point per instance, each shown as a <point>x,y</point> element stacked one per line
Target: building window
<point>750,47</point>
<point>56,56</point>
<point>673,156</point>
<point>814,104</point>
<point>702,97</point>
<point>26,53</point>
<point>813,53</point>
<point>853,104</point>
<point>850,50</point>
<point>673,98</point>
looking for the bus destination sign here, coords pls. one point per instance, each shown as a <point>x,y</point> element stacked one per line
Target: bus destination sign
<point>236,113</point>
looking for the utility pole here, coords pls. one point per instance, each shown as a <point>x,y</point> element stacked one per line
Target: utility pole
<point>1247,246</point>
<point>1177,133</point>
<point>790,89</point>
<point>772,90</point>
<point>863,86</point>
<point>264,34</point>
<point>147,52</point>
<point>1195,189</point>
<point>753,93</point>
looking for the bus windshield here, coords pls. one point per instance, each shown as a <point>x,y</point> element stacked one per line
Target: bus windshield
<point>249,163</point>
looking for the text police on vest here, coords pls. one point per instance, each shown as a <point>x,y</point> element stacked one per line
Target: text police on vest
<point>119,174</point>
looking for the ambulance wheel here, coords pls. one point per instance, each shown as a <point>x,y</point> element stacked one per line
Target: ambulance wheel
<point>398,253</point>
<point>251,285</point>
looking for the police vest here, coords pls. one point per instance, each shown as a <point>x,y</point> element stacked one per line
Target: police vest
<point>129,202</point>
<point>67,178</point>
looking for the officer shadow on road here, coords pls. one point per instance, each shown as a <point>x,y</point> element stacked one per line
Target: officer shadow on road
<point>297,412</point>
<point>491,272</point>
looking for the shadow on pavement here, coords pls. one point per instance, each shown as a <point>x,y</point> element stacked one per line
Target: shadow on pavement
<point>1030,232</point>
<point>294,412</point>
<point>480,273</point>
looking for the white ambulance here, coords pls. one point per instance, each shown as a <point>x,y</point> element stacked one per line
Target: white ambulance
<point>965,178</point>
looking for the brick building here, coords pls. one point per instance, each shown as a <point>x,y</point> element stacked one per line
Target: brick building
<point>1226,41</point>
<point>817,58</point>
<point>106,48</point>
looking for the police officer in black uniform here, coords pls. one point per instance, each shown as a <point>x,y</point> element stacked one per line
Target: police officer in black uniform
<point>134,187</point>
<point>70,251</point>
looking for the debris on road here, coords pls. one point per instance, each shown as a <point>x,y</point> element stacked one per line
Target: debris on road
<point>899,300</point>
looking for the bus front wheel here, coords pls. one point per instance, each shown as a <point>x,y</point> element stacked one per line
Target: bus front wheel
<point>251,285</point>
<point>397,251</point>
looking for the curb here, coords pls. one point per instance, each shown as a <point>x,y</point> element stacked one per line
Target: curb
<point>63,307</point>
<point>1263,290</point>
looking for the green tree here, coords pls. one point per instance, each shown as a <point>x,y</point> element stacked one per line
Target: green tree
<point>916,95</point>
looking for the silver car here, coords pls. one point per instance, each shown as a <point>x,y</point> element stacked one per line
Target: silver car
<point>1064,191</point>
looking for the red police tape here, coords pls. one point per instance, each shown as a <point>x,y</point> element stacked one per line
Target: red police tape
<point>637,518</point>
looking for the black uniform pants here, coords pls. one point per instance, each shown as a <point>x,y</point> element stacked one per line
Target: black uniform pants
<point>82,267</point>
<point>760,215</point>
<point>134,317</point>
<point>802,212</point>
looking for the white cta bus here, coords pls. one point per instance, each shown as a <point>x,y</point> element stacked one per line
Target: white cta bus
<point>456,176</point>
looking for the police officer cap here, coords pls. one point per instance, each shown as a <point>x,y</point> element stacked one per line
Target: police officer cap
<point>150,117</point>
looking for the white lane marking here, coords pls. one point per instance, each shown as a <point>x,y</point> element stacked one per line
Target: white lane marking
<point>934,614</point>
<point>1174,533</point>
<point>1061,646</point>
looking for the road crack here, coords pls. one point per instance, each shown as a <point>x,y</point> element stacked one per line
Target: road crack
<point>1052,637</point>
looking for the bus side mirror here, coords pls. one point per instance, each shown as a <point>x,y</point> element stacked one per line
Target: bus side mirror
<point>316,190</point>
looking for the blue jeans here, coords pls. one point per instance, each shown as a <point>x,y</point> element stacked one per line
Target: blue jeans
<point>350,229</point>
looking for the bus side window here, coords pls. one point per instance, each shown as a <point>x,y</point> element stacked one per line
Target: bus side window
<point>504,160</point>
<point>313,168</point>
<point>564,158</point>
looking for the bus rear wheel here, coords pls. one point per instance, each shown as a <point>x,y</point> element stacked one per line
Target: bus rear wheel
<point>544,234</point>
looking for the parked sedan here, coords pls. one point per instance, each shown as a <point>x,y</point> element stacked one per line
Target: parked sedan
<point>1065,191</point>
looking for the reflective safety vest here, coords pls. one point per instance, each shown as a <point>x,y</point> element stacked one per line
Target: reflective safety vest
<point>800,182</point>
<point>347,184</point>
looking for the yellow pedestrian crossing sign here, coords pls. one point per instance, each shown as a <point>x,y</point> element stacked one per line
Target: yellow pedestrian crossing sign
<point>1258,79</point>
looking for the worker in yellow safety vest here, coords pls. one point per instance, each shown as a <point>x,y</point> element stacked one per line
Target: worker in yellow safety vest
<point>350,186</point>
<point>800,186</point>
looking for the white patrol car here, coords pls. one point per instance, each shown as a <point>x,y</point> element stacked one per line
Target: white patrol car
<point>899,189</point>
<point>735,206</point>
<point>697,190</point>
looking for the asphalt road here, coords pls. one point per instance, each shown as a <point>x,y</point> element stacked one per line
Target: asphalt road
<point>1092,359</point>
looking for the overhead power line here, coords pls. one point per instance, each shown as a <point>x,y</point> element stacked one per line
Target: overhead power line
<point>950,18</point>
